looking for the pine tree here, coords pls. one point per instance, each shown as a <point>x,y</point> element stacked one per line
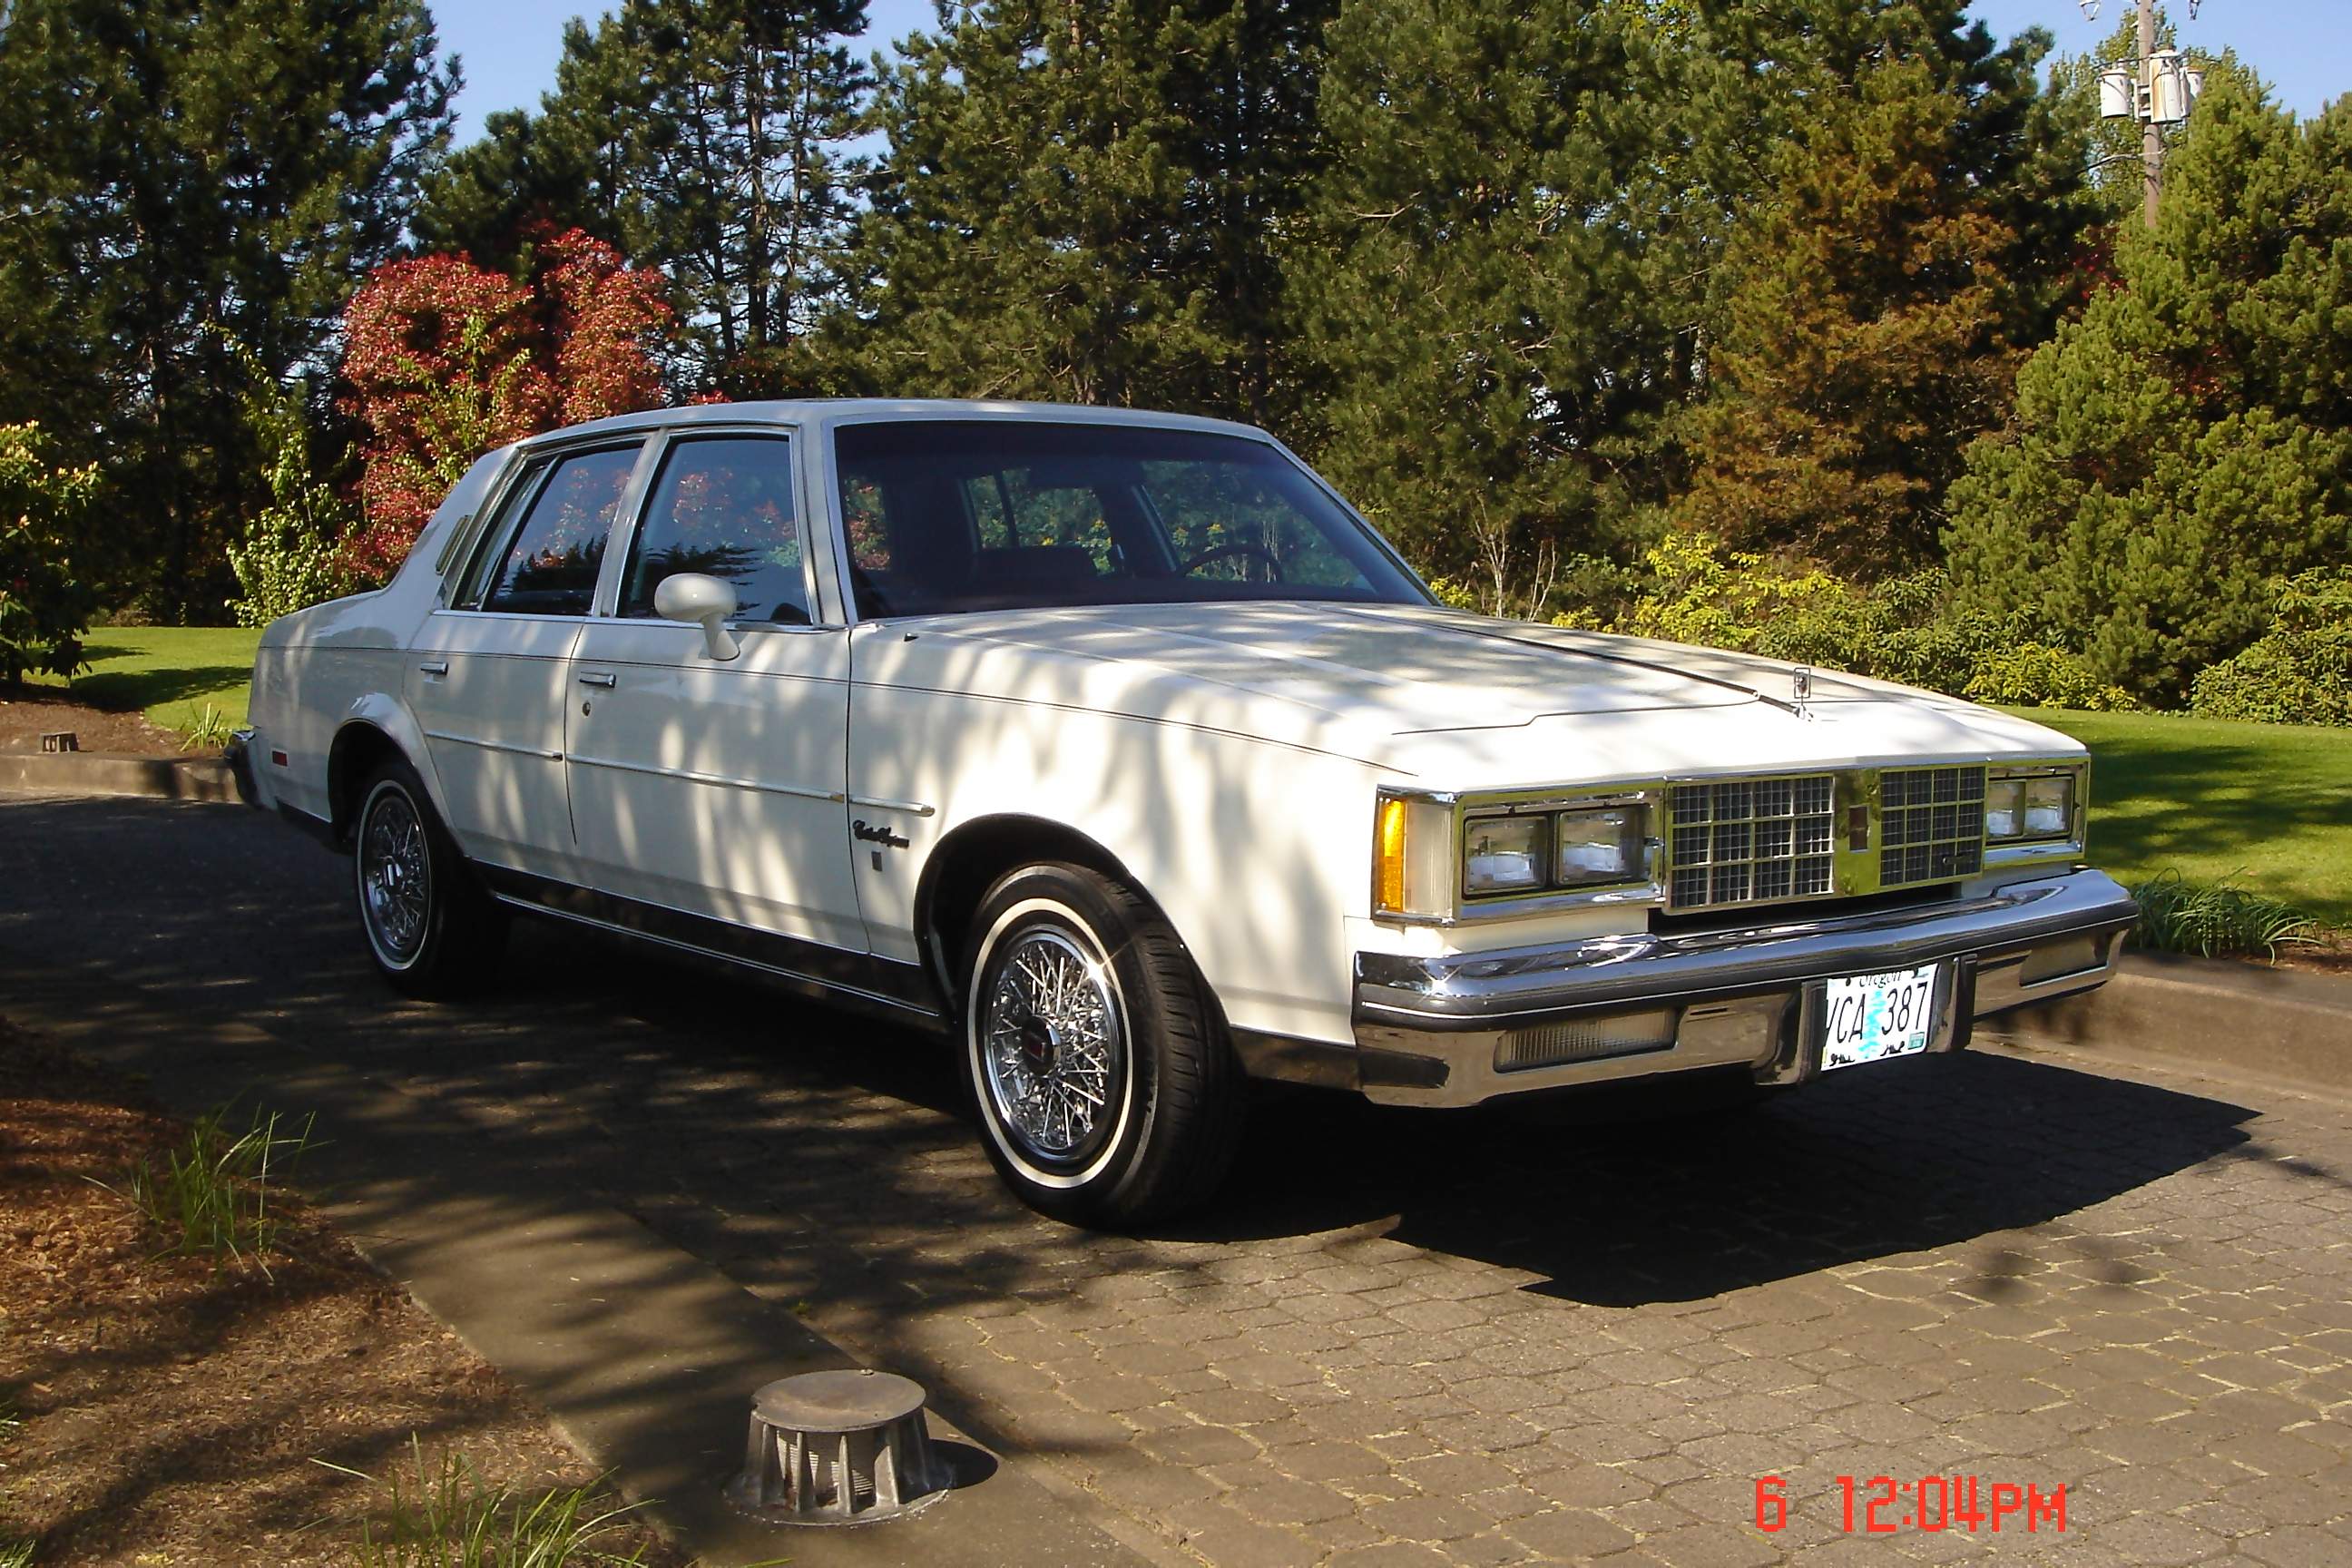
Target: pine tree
<point>169,168</point>
<point>1520,272</point>
<point>1866,336</point>
<point>1087,201</point>
<point>2187,444</point>
<point>1475,279</point>
<point>701,137</point>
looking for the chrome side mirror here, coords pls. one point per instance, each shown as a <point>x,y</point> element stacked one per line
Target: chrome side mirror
<point>692,596</point>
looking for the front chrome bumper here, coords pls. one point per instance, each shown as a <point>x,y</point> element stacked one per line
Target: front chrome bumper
<point>1450,1031</point>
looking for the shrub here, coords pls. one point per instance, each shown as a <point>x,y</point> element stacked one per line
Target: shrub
<point>44,602</point>
<point>1904,629</point>
<point>292,555</point>
<point>2035,675</point>
<point>2300,671</point>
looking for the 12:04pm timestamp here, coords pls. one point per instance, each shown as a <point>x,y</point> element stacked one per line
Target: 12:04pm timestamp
<point>1881,1505</point>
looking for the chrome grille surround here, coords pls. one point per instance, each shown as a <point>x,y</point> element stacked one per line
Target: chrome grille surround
<point>1931,824</point>
<point>1747,841</point>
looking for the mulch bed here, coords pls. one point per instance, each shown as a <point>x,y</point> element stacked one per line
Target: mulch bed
<point>173,1412</point>
<point>28,713</point>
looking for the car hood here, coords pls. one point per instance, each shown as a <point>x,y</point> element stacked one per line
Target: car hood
<point>1459,699</point>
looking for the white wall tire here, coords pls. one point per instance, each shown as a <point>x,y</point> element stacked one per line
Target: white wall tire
<point>1106,1092</point>
<point>429,928</point>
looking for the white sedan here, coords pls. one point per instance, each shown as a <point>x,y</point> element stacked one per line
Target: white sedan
<point>1118,747</point>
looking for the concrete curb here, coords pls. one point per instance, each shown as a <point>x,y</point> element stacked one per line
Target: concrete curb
<point>118,772</point>
<point>2278,1026</point>
<point>644,1355</point>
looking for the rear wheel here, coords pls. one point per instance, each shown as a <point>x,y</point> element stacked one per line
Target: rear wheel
<point>1107,1093</point>
<point>430,927</point>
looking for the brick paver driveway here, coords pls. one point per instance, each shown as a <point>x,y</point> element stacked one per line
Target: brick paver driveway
<point>1405,1338</point>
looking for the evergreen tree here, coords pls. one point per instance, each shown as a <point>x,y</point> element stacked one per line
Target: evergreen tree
<point>703,137</point>
<point>1867,336</point>
<point>1087,201</point>
<point>1476,285</point>
<point>1522,269</point>
<point>170,167</point>
<point>2188,442</point>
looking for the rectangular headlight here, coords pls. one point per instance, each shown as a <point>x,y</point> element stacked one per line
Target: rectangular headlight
<point>2030,806</point>
<point>1505,854</point>
<point>2049,806</point>
<point>1592,847</point>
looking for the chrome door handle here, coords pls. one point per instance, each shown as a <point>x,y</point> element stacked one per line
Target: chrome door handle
<point>599,677</point>
<point>435,667</point>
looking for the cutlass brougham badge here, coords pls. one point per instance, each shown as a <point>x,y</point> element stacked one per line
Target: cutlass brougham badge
<point>1213,786</point>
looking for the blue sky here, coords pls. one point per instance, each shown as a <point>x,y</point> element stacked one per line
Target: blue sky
<point>2303,47</point>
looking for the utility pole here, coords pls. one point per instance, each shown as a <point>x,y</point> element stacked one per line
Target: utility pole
<point>2157,89</point>
<point>2151,141</point>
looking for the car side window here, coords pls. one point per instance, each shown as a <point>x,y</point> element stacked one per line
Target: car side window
<point>550,567</point>
<point>723,506</point>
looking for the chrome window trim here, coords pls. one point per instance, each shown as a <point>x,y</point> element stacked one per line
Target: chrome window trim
<point>498,534</point>
<point>659,443</point>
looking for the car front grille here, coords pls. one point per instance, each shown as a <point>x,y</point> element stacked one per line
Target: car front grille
<point>1746,841</point>
<point>1766,840</point>
<point>1931,824</point>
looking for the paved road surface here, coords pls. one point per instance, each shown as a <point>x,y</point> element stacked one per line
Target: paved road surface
<point>1406,1338</point>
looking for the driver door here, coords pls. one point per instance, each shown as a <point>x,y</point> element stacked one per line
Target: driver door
<point>714,787</point>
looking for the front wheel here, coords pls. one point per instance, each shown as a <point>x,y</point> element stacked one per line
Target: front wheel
<point>431,929</point>
<point>1107,1091</point>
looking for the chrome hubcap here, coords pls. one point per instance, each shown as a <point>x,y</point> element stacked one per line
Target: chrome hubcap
<point>1051,1042</point>
<point>395,884</point>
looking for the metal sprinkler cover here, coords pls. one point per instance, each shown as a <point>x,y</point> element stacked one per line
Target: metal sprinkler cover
<point>837,1447</point>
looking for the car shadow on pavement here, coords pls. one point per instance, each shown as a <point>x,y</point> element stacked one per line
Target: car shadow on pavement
<point>1637,1198</point>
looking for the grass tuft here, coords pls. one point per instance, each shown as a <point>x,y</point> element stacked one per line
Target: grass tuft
<point>2216,920</point>
<point>211,1195</point>
<point>446,1516</point>
<point>18,1554</point>
<point>208,731</point>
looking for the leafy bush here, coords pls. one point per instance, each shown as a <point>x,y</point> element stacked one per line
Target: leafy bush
<point>292,555</point>
<point>45,602</point>
<point>1904,629</point>
<point>2035,675</point>
<point>2300,671</point>
<point>2216,920</point>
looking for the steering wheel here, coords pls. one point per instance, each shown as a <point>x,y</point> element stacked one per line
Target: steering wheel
<point>1240,547</point>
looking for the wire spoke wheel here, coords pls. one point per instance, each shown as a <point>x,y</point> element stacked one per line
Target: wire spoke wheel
<point>1054,1052</point>
<point>395,874</point>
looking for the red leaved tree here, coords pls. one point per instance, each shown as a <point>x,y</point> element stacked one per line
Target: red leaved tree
<point>445,359</point>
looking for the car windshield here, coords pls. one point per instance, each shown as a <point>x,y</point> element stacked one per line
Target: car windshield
<point>951,515</point>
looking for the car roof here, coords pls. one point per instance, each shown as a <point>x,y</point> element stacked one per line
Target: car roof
<point>812,413</point>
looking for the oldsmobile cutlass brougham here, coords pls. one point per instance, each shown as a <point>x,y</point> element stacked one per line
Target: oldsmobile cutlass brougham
<point>1117,747</point>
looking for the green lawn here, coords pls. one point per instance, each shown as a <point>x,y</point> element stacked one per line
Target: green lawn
<point>168,673</point>
<point>2211,799</point>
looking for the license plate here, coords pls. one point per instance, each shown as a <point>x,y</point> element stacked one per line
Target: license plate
<point>1871,1017</point>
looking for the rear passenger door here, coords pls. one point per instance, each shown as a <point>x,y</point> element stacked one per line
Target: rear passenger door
<point>486,676</point>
